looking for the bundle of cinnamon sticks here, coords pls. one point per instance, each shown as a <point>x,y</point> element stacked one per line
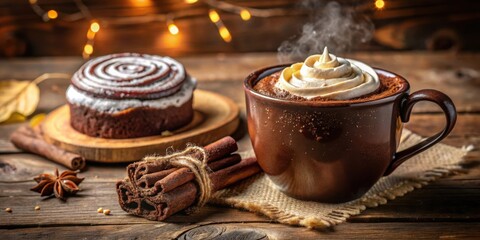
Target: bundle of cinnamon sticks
<point>155,192</point>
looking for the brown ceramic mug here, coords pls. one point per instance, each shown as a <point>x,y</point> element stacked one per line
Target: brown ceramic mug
<point>334,153</point>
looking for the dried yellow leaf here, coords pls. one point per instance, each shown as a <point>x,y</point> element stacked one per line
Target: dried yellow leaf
<point>15,118</point>
<point>37,119</point>
<point>22,96</point>
<point>18,97</point>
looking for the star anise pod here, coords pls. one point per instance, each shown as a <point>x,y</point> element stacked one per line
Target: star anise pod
<point>61,185</point>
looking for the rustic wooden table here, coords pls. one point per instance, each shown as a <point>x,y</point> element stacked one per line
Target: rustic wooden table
<point>448,208</point>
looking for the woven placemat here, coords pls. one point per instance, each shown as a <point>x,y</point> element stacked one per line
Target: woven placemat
<point>259,195</point>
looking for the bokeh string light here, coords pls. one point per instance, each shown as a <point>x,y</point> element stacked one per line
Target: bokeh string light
<point>51,14</point>
<point>84,13</point>
<point>213,15</point>
<point>245,13</point>
<point>222,29</point>
<point>95,27</point>
<point>88,49</point>
<point>92,31</point>
<point>172,28</point>
<point>379,4</point>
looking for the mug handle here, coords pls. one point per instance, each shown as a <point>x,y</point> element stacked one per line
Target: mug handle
<point>406,107</point>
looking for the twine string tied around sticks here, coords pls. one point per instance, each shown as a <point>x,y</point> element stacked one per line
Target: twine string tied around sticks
<point>195,159</point>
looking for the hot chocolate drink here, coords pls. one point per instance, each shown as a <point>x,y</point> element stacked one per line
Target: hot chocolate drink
<point>328,79</point>
<point>328,128</point>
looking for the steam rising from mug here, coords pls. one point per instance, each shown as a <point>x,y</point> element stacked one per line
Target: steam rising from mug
<point>332,25</point>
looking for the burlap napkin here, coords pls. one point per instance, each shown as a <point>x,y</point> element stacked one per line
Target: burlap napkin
<point>259,195</point>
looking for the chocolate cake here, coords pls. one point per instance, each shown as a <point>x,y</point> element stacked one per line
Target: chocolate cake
<point>130,95</point>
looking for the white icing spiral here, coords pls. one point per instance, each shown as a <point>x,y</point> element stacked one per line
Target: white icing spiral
<point>130,76</point>
<point>75,96</point>
<point>327,76</point>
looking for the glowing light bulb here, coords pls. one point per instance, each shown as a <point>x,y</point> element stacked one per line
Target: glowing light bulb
<point>225,34</point>
<point>52,14</point>
<point>140,3</point>
<point>88,49</point>
<point>191,1</point>
<point>32,1</point>
<point>172,28</point>
<point>379,4</point>
<point>95,27</point>
<point>245,15</point>
<point>214,17</point>
<point>90,34</point>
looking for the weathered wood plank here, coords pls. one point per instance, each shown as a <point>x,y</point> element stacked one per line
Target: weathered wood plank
<point>124,231</point>
<point>5,145</point>
<point>467,126</point>
<point>459,202</point>
<point>82,209</point>
<point>24,166</point>
<point>68,38</point>
<point>239,230</point>
<point>344,231</point>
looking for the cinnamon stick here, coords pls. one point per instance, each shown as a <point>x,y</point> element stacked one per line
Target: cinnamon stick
<point>148,180</point>
<point>220,148</point>
<point>162,205</point>
<point>230,175</point>
<point>225,162</point>
<point>214,151</point>
<point>31,140</point>
<point>129,202</point>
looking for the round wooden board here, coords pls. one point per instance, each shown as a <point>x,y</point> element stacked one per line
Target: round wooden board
<point>215,116</point>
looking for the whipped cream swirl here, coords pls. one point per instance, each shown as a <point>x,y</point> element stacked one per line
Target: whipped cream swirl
<point>328,76</point>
